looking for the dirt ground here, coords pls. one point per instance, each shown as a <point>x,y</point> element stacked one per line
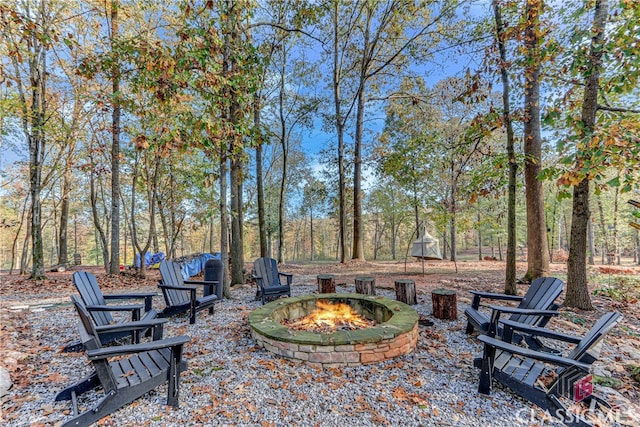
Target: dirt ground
<point>18,294</point>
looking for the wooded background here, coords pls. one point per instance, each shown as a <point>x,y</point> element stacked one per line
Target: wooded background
<point>189,126</point>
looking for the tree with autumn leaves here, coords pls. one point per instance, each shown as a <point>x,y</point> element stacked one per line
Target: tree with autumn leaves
<point>191,80</point>
<point>603,71</point>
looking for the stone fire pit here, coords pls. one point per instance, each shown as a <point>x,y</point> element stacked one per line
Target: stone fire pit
<point>395,334</point>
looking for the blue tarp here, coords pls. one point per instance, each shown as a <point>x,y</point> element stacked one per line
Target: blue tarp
<point>150,259</point>
<point>196,265</point>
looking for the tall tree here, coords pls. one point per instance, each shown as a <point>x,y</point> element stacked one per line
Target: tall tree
<point>603,135</point>
<point>390,30</point>
<point>116,111</point>
<point>28,29</point>
<point>537,248</point>
<point>341,30</point>
<point>577,291</point>
<point>510,270</point>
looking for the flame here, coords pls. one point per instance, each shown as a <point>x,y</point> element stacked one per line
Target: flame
<point>329,317</point>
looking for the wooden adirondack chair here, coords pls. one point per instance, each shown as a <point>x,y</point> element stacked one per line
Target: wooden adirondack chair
<point>267,277</point>
<point>535,308</point>
<point>133,371</point>
<point>100,311</point>
<point>180,298</point>
<point>525,371</point>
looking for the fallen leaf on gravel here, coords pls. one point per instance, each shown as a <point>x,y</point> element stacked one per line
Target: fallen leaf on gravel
<point>400,394</point>
<point>267,364</point>
<point>377,418</point>
<point>56,378</point>
<point>420,400</point>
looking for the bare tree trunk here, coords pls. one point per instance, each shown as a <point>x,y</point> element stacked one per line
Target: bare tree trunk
<point>452,211</point>
<point>590,245</point>
<point>637,247</point>
<point>96,219</point>
<point>311,237</point>
<point>358,225</point>
<point>224,223</point>
<point>262,224</point>
<point>63,240</point>
<point>538,251</point>
<point>285,157</point>
<point>114,262</point>
<point>24,263</point>
<point>339,121</point>
<point>603,230</point>
<point>510,271</point>
<point>14,244</point>
<point>616,238</point>
<point>237,251</point>
<point>479,236</point>
<point>152,184</point>
<point>577,285</point>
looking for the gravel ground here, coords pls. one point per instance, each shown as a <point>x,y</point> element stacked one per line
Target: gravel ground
<point>230,381</point>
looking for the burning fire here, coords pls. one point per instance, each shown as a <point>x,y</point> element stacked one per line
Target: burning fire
<point>330,317</point>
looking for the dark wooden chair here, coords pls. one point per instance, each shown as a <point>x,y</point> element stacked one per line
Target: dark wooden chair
<point>541,377</point>
<point>267,277</point>
<point>535,308</point>
<point>96,304</point>
<point>123,372</point>
<point>181,298</point>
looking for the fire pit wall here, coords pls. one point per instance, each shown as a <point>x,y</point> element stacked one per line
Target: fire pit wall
<point>395,334</point>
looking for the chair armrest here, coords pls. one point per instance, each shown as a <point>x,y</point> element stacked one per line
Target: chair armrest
<point>538,355</point>
<point>178,288</point>
<point>123,350</point>
<point>131,296</point>
<point>147,296</point>
<point>288,276</point>
<point>209,285</point>
<point>201,282</point>
<point>130,307</point>
<point>529,311</point>
<point>491,295</point>
<point>131,326</point>
<point>540,332</point>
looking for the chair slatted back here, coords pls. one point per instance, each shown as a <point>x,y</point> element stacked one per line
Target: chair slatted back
<point>541,295</point>
<point>88,333</point>
<point>90,292</point>
<point>91,341</point>
<point>267,268</point>
<point>171,273</point>
<point>588,349</point>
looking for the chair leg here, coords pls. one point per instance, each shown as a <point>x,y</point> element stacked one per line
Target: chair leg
<point>87,384</point>
<point>173,391</point>
<point>486,370</point>
<point>157,332</point>
<point>192,311</point>
<point>469,329</point>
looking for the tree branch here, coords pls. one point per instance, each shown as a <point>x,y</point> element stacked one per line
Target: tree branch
<point>617,109</point>
<point>283,28</point>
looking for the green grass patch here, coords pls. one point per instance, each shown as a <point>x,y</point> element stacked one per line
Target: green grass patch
<point>635,373</point>
<point>621,289</point>
<point>607,382</point>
